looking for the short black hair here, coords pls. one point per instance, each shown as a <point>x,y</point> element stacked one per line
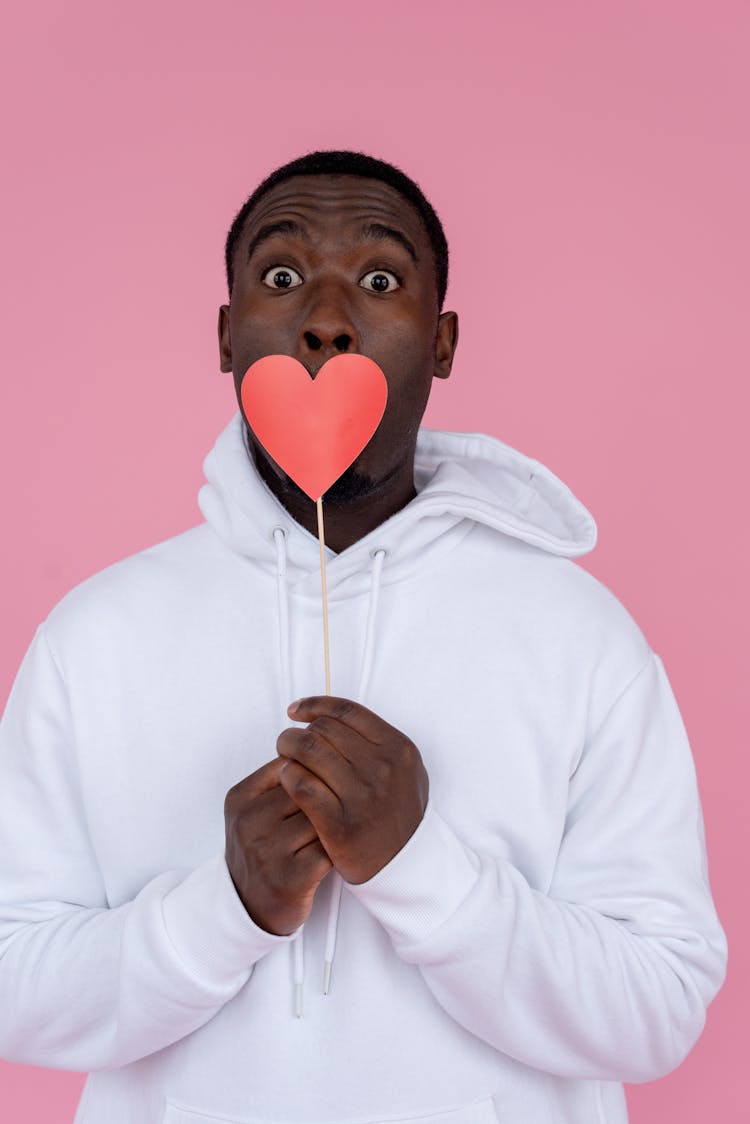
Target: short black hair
<point>346,163</point>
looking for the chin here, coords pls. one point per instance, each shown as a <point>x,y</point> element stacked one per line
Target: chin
<point>353,485</point>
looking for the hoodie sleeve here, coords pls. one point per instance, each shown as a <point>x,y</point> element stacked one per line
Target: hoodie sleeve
<point>608,974</point>
<point>83,986</point>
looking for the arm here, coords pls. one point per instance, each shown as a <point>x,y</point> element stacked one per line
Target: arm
<point>609,973</point>
<point>83,986</point>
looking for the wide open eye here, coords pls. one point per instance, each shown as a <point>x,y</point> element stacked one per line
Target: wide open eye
<point>380,281</point>
<point>281,277</point>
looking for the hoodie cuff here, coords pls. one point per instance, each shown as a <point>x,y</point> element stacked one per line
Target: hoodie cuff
<point>422,885</point>
<point>211,930</point>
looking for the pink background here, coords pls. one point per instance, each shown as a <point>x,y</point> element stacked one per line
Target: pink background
<point>590,163</point>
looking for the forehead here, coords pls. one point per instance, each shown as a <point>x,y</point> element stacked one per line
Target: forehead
<point>337,200</point>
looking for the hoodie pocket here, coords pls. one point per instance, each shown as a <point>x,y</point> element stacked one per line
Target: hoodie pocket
<point>480,1112</point>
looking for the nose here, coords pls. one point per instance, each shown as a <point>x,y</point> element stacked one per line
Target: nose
<point>328,327</point>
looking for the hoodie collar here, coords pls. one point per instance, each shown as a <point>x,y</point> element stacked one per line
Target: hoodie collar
<point>461,479</point>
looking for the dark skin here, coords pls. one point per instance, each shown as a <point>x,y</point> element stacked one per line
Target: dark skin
<point>351,270</point>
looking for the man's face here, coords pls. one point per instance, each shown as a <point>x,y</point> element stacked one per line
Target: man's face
<point>333,264</point>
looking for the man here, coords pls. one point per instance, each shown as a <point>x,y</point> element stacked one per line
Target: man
<point>501,782</point>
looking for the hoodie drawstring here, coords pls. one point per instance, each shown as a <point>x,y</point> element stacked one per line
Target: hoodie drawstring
<point>378,557</point>
<point>279,535</point>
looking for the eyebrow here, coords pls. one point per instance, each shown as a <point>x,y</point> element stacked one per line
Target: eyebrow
<point>380,233</point>
<point>375,231</point>
<point>285,226</point>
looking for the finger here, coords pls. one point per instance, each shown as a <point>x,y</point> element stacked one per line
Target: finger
<point>319,803</point>
<point>317,752</point>
<point>274,806</point>
<point>262,813</point>
<point>262,780</point>
<point>312,862</point>
<point>352,714</point>
<point>296,833</point>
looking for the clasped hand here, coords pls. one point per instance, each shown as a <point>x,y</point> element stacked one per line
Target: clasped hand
<point>347,791</point>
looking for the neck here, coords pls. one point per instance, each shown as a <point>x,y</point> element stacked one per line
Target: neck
<point>346,520</point>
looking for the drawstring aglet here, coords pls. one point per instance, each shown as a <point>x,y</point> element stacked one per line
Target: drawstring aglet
<point>329,952</point>
<point>299,971</point>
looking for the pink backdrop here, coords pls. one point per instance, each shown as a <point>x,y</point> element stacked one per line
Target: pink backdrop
<point>590,162</point>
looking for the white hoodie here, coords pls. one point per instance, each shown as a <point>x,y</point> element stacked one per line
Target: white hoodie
<point>547,932</point>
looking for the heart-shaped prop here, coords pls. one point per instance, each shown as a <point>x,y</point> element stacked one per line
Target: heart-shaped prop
<point>314,428</point>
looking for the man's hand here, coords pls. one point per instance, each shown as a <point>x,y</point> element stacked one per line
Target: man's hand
<point>272,851</point>
<point>360,782</point>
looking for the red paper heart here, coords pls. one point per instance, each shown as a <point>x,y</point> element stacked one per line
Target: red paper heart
<point>314,428</point>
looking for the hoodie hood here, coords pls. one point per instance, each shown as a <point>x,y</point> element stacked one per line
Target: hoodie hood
<point>461,479</point>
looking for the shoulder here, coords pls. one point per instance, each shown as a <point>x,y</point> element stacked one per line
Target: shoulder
<point>556,600</point>
<point>136,587</point>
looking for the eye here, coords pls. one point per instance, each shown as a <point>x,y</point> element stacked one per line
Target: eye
<point>380,281</point>
<point>281,277</point>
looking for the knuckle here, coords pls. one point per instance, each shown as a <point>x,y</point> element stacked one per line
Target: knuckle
<point>323,726</point>
<point>283,739</point>
<point>407,752</point>
<point>306,744</point>
<point>304,786</point>
<point>296,742</point>
<point>342,708</point>
<point>382,771</point>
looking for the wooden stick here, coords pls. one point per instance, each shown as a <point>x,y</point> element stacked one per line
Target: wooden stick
<point>321,539</point>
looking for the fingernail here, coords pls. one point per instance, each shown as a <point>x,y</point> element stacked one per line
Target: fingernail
<point>293,707</point>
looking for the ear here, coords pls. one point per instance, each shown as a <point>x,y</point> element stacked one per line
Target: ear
<point>225,344</point>
<point>446,340</point>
